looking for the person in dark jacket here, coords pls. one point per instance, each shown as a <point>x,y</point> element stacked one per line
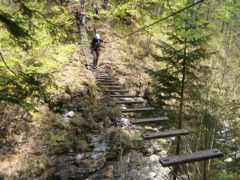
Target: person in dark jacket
<point>80,16</point>
<point>96,11</point>
<point>95,49</point>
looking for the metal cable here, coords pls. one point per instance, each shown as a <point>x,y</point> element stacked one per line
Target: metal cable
<point>160,20</point>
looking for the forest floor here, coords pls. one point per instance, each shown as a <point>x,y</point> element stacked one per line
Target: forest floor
<point>29,140</point>
<point>75,121</point>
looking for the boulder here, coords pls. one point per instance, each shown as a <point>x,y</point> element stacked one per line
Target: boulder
<point>70,114</point>
<point>228,160</point>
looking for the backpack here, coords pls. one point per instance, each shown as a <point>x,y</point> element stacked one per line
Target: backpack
<point>96,43</point>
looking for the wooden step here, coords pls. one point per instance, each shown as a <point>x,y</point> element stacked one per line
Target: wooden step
<point>100,71</point>
<point>101,74</point>
<point>124,96</point>
<point>129,102</point>
<point>112,87</point>
<point>115,91</point>
<point>166,134</point>
<point>105,79</point>
<point>112,81</point>
<point>187,158</point>
<point>149,120</point>
<point>108,84</point>
<point>137,110</point>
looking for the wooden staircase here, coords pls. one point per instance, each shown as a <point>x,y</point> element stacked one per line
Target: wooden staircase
<point>116,90</point>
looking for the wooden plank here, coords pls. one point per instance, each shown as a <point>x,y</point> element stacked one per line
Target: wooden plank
<point>137,110</point>
<point>105,78</point>
<point>129,102</point>
<point>108,83</point>
<point>103,75</point>
<point>166,134</point>
<point>113,87</point>
<point>149,120</point>
<point>124,96</point>
<point>187,158</point>
<point>115,91</point>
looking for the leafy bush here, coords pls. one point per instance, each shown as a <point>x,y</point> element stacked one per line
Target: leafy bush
<point>126,12</point>
<point>35,41</point>
<point>226,176</point>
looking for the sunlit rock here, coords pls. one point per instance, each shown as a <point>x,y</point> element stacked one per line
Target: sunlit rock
<point>228,160</point>
<point>152,175</point>
<point>70,114</point>
<point>79,157</point>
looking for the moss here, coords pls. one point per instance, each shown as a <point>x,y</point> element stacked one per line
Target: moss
<point>131,139</point>
<point>82,146</point>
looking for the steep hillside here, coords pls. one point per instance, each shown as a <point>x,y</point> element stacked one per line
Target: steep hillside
<point>58,122</point>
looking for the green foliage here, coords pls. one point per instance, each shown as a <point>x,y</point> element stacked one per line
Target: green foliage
<point>226,176</point>
<point>211,83</point>
<point>126,11</point>
<point>35,40</point>
<point>12,26</point>
<point>101,15</point>
<point>186,46</point>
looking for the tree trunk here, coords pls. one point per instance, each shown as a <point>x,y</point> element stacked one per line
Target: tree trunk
<point>179,126</point>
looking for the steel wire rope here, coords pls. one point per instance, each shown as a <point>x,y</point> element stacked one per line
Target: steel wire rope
<point>160,20</point>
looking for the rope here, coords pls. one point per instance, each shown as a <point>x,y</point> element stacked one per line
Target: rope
<point>4,62</point>
<point>160,20</point>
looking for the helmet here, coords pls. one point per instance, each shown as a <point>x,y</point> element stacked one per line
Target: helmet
<point>98,36</point>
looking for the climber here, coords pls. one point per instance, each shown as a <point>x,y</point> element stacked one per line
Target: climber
<point>96,11</point>
<point>95,48</point>
<point>80,15</point>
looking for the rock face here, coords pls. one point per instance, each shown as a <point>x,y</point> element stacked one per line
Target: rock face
<point>81,165</point>
<point>141,167</point>
<point>134,166</point>
<point>105,158</point>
